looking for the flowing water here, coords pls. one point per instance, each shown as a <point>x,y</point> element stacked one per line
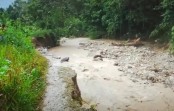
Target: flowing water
<point>102,84</point>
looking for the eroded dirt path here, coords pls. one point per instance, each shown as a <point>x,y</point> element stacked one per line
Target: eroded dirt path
<point>126,79</point>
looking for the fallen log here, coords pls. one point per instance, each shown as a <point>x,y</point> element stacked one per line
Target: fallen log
<point>135,43</point>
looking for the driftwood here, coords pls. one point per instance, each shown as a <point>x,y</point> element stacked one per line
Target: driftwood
<point>135,43</point>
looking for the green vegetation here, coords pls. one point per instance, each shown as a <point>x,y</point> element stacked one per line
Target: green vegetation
<point>98,18</point>
<point>22,69</point>
<point>21,79</point>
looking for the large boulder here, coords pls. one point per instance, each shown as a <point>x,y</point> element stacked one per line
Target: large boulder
<point>66,59</point>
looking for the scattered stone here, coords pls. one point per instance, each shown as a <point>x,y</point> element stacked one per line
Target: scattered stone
<point>127,105</point>
<point>103,52</point>
<point>152,78</point>
<point>166,74</point>
<point>132,96</point>
<point>171,60</point>
<point>134,80</point>
<point>156,70</point>
<point>120,69</point>
<point>98,58</point>
<point>82,44</point>
<point>42,50</point>
<point>84,70</point>
<point>66,59</point>
<point>57,57</point>
<point>139,62</point>
<point>107,79</point>
<point>129,66</point>
<point>169,81</point>
<point>115,64</point>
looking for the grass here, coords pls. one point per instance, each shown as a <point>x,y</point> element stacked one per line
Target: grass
<point>22,69</point>
<point>22,79</point>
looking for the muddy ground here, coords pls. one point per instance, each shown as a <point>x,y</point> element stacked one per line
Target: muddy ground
<point>122,78</point>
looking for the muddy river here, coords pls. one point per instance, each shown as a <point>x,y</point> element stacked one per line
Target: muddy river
<point>104,85</point>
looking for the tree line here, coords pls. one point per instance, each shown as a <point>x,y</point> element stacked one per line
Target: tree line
<point>97,18</point>
<point>22,69</point>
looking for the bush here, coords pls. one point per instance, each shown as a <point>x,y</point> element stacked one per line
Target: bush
<point>22,70</point>
<point>21,79</point>
<point>17,35</point>
<point>41,32</point>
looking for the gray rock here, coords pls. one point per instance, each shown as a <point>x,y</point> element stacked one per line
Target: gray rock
<point>98,58</point>
<point>134,80</point>
<point>116,64</point>
<point>84,70</point>
<point>44,50</point>
<point>169,81</point>
<point>141,62</point>
<point>57,57</point>
<point>82,44</point>
<point>129,66</point>
<point>120,69</point>
<point>66,59</point>
<point>152,77</point>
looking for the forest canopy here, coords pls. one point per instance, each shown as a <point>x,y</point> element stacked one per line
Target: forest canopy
<point>22,69</point>
<point>97,18</point>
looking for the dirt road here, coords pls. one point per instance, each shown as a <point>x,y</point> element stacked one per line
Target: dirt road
<point>125,79</point>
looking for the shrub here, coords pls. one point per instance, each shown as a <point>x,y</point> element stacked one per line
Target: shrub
<point>41,32</point>
<point>21,79</point>
<point>17,35</point>
<point>22,70</point>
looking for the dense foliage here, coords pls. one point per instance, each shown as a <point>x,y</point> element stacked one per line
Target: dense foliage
<point>98,18</point>
<point>22,69</point>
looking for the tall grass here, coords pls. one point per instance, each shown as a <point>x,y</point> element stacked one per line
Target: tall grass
<point>22,71</point>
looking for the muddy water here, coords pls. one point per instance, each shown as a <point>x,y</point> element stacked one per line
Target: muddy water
<point>108,89</point>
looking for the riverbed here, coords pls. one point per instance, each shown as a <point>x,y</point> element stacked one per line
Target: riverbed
<point>127,78</point>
